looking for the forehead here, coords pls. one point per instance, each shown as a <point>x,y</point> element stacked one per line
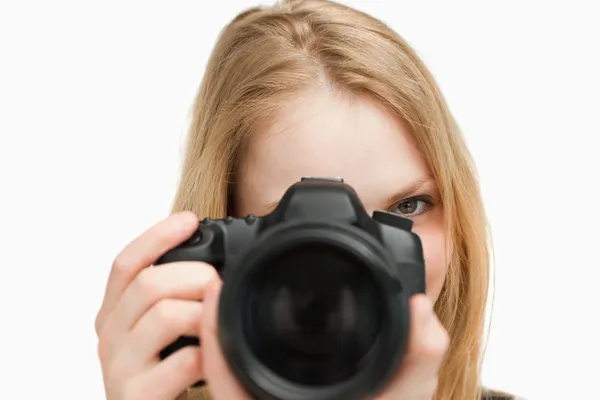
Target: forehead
<point>325,133</point>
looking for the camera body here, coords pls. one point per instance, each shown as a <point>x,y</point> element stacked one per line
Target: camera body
<point>314,303</point>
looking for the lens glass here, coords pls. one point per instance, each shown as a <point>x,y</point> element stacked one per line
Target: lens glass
<point>313,314</point>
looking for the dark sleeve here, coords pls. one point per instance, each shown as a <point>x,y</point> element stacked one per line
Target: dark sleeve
<point>489,394</point>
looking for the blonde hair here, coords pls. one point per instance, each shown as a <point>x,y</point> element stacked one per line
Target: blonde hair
<point>267,55</point>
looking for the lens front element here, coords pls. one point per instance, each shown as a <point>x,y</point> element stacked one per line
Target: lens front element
<point>313,313</point>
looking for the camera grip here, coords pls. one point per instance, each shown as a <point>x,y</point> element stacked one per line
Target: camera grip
<point>179,344</point>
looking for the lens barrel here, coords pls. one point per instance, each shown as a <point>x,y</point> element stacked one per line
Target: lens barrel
<point>313,312</point>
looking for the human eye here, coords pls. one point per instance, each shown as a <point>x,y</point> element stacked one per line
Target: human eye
<point>413,206</point>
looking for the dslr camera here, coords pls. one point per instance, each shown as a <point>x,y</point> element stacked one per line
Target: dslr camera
<point>314,302</point>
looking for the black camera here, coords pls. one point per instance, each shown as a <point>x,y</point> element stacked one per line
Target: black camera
<point>314,303</point>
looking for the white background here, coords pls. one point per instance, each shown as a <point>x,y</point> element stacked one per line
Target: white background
<point>94,102</point>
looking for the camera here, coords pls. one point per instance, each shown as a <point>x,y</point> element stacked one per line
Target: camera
<point>314,302</point>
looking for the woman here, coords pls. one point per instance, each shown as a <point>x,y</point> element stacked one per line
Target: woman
<point>308,88</point>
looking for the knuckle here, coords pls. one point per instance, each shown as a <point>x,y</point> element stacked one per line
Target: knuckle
<point>189,319</point>
<point>201,271</point>
<point>121,263</point>
<point>210,273</point>
<point>193,318</point>
<point>145,285</point>
<point>98,323</point>
<point>175,315</point>
<point>165,314</point>
<point>191,360</point>
<point>102,350</point>
<point>104,347</point>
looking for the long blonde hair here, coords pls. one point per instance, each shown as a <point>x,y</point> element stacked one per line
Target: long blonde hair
<point>265,56</point>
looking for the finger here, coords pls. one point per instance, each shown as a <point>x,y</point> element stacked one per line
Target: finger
<point>428,340</point>
<point>211,309</point>
<point>180,280</point>
<point>171,377</point>
<point>218,375</point>
<point>427,344</point>
<point>141,253</point>
<point>166,321</point>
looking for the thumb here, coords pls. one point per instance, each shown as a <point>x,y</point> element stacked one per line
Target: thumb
<point>221,382</point>
<point>427,344</point>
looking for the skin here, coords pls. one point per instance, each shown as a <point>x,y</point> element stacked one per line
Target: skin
<point>321,133</point>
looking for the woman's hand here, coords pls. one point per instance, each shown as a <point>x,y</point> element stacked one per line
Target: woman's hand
<point>427,345</point>
<point>146,309</point>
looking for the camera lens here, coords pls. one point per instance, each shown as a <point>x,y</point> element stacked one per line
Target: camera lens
<point>313,314</point>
